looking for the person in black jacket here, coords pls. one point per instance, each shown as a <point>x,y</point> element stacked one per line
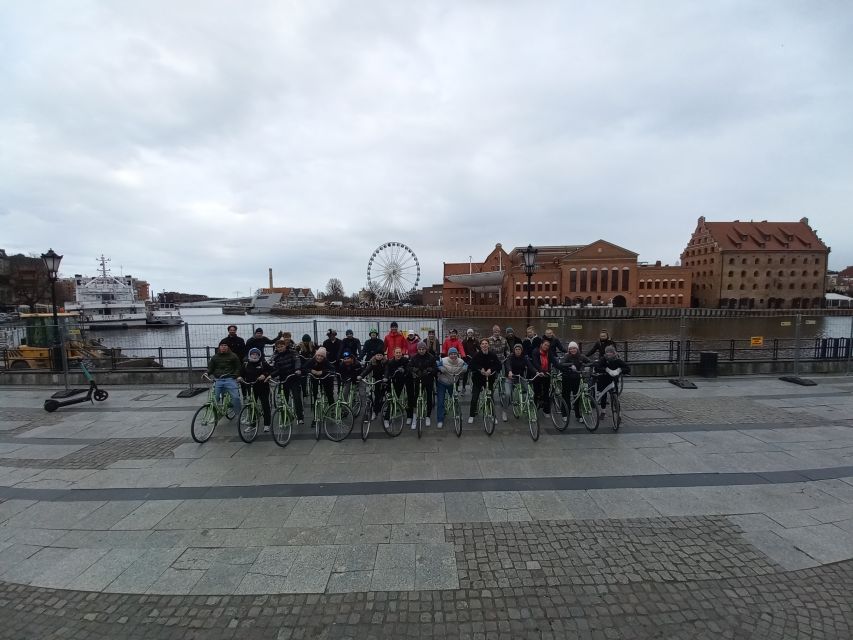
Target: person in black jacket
<point>572,366</point>
<point>286,362</point>
<point>351,344</point>
<point>511,339</point>
<point>259,341</point>
<point>470,345</point>
<point>397,372</point>
<point>372,346</point>
<point>375,367</point>
<point>422,367</point>
<point>543,361</point>
<point>254,376</point>
<point>557,348</point>
<point>235,342</point>
<point>603,342</point>
<point>485,366</point>
<point>332,346</point>
<point>531,342</point>
<point>433,345</point>
<point>320,367</point>
<point>349,369</point>
<point>516,367</point>
<point>608,368</point>
<point>305,350</point>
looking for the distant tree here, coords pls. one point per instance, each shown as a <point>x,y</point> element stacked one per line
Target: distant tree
<point>335,289</point>
<point>28,280</point>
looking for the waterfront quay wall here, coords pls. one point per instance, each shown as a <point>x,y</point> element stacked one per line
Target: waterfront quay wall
<point>156,377</point>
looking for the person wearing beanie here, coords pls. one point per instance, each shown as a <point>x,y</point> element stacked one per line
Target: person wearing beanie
<point>572,365</point>
<point>286,362</point>
<point>320,367</point>
<point>601,344</point>
<point>470,347</point>
<point>352,344</point>
<point>422,368</point>
<point>450,368</point>
<point>333,346</point>
<point>393,340</point>
<point>372,346</point>
<point>608,368</point>
<point>259,341</point>
<point>511,339</point>
<point>255,379</point>
<point>305,350</point>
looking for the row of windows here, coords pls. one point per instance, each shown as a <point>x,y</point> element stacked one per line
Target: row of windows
<point>661,284</point>
<point>643,300</point>
<point>537,301</point>
<point>595,280</point>
<point>779,274</point>
<point>691,263</point>
<point>755,286</point>
<point>536,286</point>
<point>770,260</point>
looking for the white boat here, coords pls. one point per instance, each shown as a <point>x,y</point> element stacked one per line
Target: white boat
<point>161,314</point>
<point>107,302</point>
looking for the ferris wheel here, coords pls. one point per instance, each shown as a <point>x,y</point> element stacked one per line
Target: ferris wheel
<point>393,271</point>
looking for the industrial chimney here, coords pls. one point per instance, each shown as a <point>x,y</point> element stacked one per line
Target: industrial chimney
<point>270,277</point>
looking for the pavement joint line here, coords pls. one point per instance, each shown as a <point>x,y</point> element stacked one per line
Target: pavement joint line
<point>561,483</point>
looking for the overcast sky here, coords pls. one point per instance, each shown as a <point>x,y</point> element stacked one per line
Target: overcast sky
<point>199,143</point>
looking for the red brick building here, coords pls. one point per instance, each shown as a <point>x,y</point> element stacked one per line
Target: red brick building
<point>600,274</point>
<point>756,265</point>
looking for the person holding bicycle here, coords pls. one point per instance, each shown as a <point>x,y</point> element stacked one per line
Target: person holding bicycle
<point>470,346</point>
<point>543,361</point>
<point>349,368</point>
<point>225,367</point>
<point>397,372</point>
<point>422,369</point>
<point>572,365</point>
<point>286,362</point>
<point>608,370</point>
<point>450,368</point>
<point>305,351</point>
<point>516,367</point>
<point>254,377</point>
<point>376,367</point>
<point>318,367</point>
<point>485,366</point>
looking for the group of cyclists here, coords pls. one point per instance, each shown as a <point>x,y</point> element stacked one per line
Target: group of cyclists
<point>406,362</point>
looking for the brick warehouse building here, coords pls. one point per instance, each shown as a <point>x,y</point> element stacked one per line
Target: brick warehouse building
<point>756,265</point>
<point>600,273</point>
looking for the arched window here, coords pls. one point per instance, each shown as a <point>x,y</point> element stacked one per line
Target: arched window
<point>641,285</point>
<point>573,280</point>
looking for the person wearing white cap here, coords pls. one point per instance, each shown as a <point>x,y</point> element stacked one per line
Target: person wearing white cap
<point>572,365</point>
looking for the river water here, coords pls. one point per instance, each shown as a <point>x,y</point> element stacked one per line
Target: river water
<point>652,336</point>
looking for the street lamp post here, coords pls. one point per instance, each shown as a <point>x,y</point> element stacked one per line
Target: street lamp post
<point>528,257</point>
<point>51,262</point>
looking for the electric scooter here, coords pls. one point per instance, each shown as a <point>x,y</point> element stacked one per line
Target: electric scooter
<point>100,395</point>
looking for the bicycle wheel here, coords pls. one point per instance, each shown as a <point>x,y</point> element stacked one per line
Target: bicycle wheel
<point>457,418</point>
<point>620,383</point>
<point>589,411</point>
<point>516,401</point>
<point>204,422</point>
<point>365,420</point>
<point>396,419</point>
<point>502,397</point>
<point>338,421</point>
<point>282,426</point>
<point>615,411</point>
<point>489,420</point>
<point>247,425</point>
<point>532,420</point>
<point>420,415</point>
<point>229,407</point>
<point>559,412</point>
<point>356,405</point>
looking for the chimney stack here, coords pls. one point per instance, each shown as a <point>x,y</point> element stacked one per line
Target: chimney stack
<point>270,277</point>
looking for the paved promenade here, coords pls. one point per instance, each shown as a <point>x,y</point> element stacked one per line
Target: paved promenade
<point>721,512</point>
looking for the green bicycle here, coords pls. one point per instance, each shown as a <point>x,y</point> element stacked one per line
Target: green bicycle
<point>339,418</point>
<point>250,414</point>
<point>557,403</point>
<point>207,416</point>
<point>319,402</point>
<point>486,405</point>
<point>452,409</point>
<point>523,405</point>
<point>503,398</point>
<point>370,411</point>
<point>284,415</point>
<point>396,410</point>
<point>420,406</point>
<point>586,402</point>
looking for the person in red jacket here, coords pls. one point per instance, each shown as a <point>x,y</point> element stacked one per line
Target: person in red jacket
<point>452,341</point>
<point>393,340</point>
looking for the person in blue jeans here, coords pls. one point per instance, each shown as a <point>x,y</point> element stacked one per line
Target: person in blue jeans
<point>450,368</point>
<point>225,367</point>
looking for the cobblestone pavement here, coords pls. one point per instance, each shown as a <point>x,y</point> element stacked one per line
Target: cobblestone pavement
<point>723,512</point>
<point>639,579</point>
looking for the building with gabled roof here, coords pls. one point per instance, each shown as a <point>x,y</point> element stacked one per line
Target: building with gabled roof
<point>756,265</point>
